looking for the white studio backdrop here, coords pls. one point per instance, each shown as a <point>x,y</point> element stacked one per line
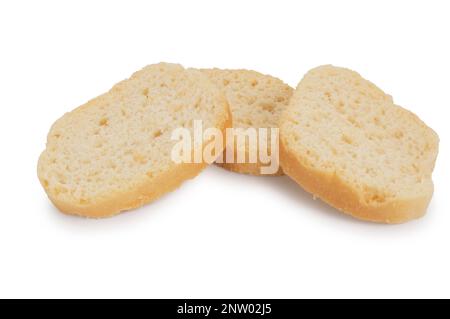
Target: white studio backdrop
<point>221,234</point>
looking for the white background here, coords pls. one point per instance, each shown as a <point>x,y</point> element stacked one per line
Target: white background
<point>221,234</point>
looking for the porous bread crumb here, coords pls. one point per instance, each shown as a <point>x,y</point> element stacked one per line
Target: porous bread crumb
<point>256,100</point>
<point>114,152</point>
<point>340,129</point>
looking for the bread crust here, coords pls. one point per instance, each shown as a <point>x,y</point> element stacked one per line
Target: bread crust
<point>334,191</point>
<point>248,168</point>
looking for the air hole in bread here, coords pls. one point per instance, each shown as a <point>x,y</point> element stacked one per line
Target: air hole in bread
<point>157,133</point>
<point>103,122</point>
<point>346,139</point>
<point>398,134</point>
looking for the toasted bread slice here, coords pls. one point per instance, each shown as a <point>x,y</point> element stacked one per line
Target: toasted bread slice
<point>114,152</point>
<point>256,101</point>
<point>345,141</point>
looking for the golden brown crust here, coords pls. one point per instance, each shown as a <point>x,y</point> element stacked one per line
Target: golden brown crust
<point>332,190</point>
<point>248,168</point>
<point>145,193</point>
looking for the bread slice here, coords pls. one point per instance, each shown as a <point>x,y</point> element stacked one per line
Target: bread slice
<point>256,100</point>
<point>345,141</point>
<point>114,152</point>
